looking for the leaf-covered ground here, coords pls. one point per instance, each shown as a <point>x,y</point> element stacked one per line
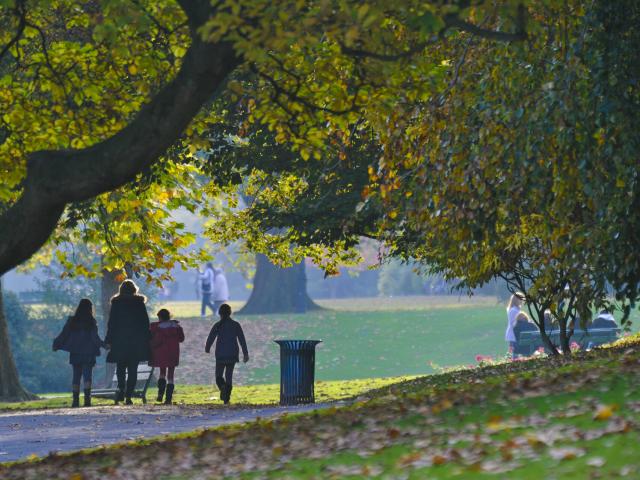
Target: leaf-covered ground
<point>546,418</point>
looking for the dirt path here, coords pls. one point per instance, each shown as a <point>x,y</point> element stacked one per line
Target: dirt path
<point>39,432</point>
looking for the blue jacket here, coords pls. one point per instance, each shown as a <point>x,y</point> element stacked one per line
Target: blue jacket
<point>229,333</point>
<point>80,341</point>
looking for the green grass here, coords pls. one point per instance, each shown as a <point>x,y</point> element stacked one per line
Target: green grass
<point>403,336</point>
<point>242,395</point>
<point>544,418</point>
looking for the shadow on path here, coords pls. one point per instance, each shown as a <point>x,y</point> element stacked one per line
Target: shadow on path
<point>40,432</point>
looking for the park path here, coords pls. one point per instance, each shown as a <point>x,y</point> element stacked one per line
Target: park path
<point>40,432</point>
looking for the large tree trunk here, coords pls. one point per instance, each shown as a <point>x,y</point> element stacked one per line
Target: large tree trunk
<point>10,388</point>
<point>278,290</point>
<point>109,284</point>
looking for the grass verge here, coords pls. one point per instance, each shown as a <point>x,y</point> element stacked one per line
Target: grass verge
<point>250,395</point>
<point>532,419</point>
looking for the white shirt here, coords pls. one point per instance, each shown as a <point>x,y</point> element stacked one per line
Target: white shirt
<point>221,289</point>
<point>207,277</point>
<point>512,314</point>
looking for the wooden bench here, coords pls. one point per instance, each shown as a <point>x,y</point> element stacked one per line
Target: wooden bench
<point>529,342</point>
<point>145,374</point>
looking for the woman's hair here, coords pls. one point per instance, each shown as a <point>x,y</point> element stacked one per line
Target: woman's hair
<point>83,318</point>
<point>516,298</point>
<point>224,310</point>
<point>128,288</point>
<point>164,314</point>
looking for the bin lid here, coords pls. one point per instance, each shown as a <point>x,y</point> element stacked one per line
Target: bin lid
<point>298,343</point>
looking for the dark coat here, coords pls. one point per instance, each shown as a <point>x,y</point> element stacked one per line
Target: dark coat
<point>603,323</point>
<point>128,329</point>
<point>83,344</point>
<point>229,333</point>
<point>523,326</point>
<point>165,344</point>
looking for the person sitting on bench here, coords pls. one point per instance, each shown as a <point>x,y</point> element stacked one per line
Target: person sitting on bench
<point>523,324</point>
<point>604,320</point>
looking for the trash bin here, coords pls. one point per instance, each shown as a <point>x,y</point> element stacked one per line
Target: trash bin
<point>297,366</point>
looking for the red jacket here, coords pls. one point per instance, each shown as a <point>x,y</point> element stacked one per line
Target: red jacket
<point>165,343</point>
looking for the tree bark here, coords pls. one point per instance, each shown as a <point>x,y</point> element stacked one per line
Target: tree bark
<point>10,388</point>
<point>278,290</point>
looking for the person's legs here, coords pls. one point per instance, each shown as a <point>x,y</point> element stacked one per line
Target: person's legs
<point>512,349</point>
<point>75,385</point>
<point>121,375</point>
<point>170,385</point>
<point>228,379</point>
<point>132,378</point>
<point>87,374</point>
<point>220,378</point>
<point>206,302</point>
<point>162,383</point>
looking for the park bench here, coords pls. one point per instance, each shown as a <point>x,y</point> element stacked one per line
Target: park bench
<point>145,374</point>
<point>529,342</point>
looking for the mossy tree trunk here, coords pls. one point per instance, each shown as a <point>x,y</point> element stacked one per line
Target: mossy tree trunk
<point>278,290</point>
<point>10,388</point>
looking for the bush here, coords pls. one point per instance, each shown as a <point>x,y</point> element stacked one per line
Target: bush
<point>40,369</point>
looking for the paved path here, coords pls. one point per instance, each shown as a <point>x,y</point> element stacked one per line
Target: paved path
<point>39,432</point>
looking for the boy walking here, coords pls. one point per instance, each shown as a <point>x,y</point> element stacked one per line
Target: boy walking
<point>228,333</point>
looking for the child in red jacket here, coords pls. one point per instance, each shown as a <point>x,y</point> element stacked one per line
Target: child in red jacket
<point>166,336</point>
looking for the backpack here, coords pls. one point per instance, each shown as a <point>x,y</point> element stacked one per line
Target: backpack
<point>206,284</point>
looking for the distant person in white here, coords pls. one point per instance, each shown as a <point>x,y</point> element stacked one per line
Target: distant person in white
<point>220,289</point>
<point>513,311</point>
<point>206,281</point>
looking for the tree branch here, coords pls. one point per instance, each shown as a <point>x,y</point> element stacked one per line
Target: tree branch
<point>56,178</point>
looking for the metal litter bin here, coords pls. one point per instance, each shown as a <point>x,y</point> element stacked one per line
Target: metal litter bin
<point>297,371</point>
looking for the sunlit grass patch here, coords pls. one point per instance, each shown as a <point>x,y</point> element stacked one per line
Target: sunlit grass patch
<point>325,391</point>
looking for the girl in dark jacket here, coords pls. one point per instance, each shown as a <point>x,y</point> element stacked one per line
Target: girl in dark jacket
<point>229,333</point>
<point>166,336</point>
<point>80,338</point>
<point>127,337</point>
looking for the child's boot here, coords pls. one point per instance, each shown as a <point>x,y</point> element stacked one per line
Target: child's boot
<point>76,396</point>
<point>227,394</point>
<point>169,397</point>
<point>87,396</point>
<point>162,384</point>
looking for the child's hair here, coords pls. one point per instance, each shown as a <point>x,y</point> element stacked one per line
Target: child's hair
<point>224,310</point>
<point>83,318</point>
<point>164,314</point>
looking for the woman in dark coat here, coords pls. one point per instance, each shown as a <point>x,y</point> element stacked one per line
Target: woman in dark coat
<point>80,338</point>
<point>128,337</point>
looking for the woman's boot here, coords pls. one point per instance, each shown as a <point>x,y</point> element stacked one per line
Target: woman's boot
<point>119,396</point>
<point>87,397</point>
<point>76,396</point>
<point>162,384</point>
<point>169,397</point>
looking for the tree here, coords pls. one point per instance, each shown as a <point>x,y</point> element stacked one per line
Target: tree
<point>278,290</point>
<point>523,167</point>
<point>10,388</point>
<point>96,94</point>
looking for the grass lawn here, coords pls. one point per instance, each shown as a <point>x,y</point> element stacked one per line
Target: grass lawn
<point>544,418</point>
<point>242,395</point>
<point>402,336</point>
